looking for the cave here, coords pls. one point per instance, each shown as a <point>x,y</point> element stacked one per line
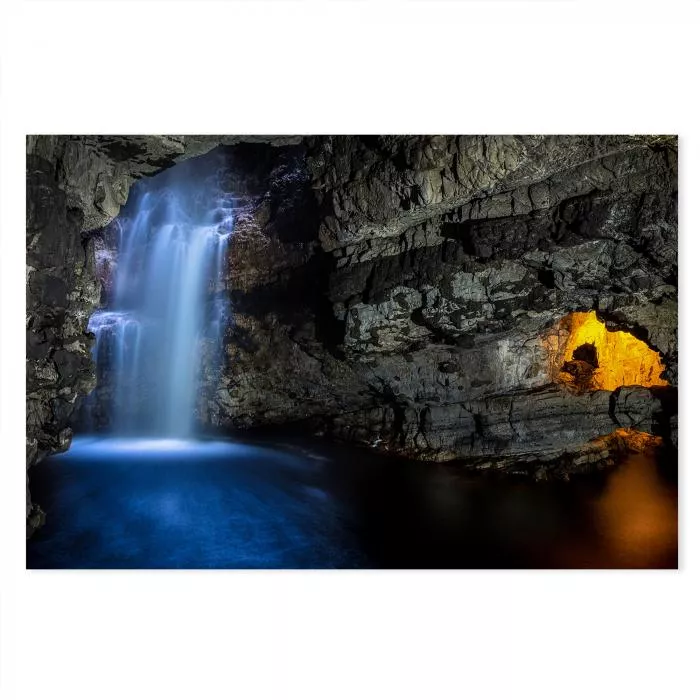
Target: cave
<point>345,351</point>
<point>595,357</point>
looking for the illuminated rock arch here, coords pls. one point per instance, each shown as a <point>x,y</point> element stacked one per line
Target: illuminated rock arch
<point>586,355</point>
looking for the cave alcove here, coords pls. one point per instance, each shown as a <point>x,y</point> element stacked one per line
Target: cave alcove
<point>594,357</point>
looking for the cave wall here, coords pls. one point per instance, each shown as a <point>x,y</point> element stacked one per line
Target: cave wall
<point>420,320</point>
<point>397,291</point>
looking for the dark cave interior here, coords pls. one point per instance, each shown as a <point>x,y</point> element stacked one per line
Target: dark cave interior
<point>495,303</point>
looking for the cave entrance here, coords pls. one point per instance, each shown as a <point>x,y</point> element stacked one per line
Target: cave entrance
<point>588,356</point>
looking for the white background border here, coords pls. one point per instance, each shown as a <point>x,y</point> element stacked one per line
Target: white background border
<point>343,67</point>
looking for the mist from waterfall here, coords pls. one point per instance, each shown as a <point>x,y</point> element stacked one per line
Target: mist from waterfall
<point>165,302</point>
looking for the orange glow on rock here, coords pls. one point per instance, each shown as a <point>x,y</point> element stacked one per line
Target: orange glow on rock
<point>622,359</point>
<point>636,440</point>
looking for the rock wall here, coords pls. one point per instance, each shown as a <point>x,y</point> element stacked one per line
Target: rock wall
<point>421,321</point>
<point>399,291</point>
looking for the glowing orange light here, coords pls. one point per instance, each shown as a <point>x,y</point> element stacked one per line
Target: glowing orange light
<point>635,440</point>
<point>637,512</point>
<point>622,359</point>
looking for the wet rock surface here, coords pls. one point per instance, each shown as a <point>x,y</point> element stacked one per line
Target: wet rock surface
<point>396,291</point>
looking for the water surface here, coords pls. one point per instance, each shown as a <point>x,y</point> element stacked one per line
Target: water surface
<point>116,503</point>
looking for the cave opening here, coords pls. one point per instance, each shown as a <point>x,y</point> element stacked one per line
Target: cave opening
<point>589,356</point>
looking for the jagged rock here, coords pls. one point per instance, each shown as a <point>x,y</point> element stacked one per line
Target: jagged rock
<point>61,293</point>
<point>635,407</point>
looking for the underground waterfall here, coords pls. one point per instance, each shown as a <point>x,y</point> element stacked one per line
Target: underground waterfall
<point>170,247</point>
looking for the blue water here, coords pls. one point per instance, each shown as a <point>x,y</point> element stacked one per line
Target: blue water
<point>171,503</point>
<point>165,299</point>
<point>167,503</point>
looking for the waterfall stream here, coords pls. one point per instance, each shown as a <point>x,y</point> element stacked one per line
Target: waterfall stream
<point>171,241</point>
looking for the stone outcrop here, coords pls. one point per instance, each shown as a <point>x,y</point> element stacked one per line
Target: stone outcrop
<point>62,292</point>
<point>422,321</point>
<point>398,291</point>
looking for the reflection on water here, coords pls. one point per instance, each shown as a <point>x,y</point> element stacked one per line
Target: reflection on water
<point>637,513</point>
<point>303,504</point>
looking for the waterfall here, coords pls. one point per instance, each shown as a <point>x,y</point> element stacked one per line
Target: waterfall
<point>171,242</point>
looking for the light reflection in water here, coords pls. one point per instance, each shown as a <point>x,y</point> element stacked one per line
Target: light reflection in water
<point>153,503</point>
<point>637,512</point>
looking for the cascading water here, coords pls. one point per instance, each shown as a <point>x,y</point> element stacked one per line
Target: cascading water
<point>164,301</point>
